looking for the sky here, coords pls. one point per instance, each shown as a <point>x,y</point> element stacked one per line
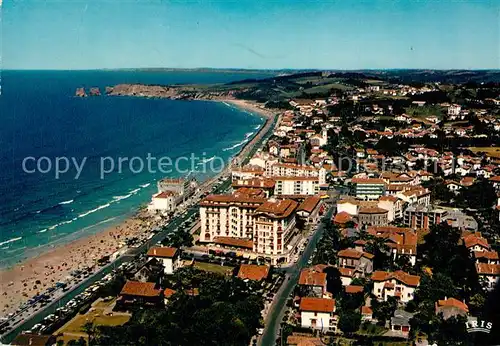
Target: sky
<point>259,34</point>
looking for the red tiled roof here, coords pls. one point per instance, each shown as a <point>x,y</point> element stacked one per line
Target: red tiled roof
<point>347,272</point>
<point>227,200</point>
<point>342,217</point>
<point>278,209</point>
<point>165,194</point>
<point>236,242</point>
<point>253,272</point>
<point>388,198</point>
<point>168,292</point>
<point>254,182</point>
<point>372,210</point>
<point>310,277</point>
<point>309,204</point>
<point>350,253</point>
<point>162,252</point>
<point>367,181</point>
<point>353,289</point>
<point>401,276</point>
<point>473,240</point>
<point>491,255</point>
<point>452,302</point>
<point>317,304</point>
<point>366,310</point>
<point>488,269</point>
<point>142,289</point>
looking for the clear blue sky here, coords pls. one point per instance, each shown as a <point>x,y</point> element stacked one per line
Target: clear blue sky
<point>342,34</point>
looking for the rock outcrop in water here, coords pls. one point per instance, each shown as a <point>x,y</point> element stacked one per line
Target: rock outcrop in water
<point>95,92</point>
<point>80,92</point>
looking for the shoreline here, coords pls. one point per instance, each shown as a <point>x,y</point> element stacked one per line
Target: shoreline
<point>34,275</point>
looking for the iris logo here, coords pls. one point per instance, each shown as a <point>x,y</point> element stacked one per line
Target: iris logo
<point>474,326</point>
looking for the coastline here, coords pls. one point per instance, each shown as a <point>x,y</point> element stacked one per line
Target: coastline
<point>34,275</point>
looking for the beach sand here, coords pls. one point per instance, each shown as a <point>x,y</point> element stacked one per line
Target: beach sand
<point>35,275</point>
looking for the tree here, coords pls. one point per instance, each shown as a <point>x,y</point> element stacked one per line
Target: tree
<point>333,281</point>
<point>383,311</point>
<point>377,247</point>
<point>445,254</point>
<point>480,195</point>
<point>476,303</point>
<point>451,331</point>
<point>349,321</point>
<point>89,329</point>
<point>431,289</point>
<point>79,342</point>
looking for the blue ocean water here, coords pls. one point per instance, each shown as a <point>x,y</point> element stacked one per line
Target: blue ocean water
<point>39,116</point>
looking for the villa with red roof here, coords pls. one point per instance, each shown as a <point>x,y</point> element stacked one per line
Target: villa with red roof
<point>394,284</point>
<point>451,307</point>
<point>354,259</point>
<point>168,256</point>
<point>313,281</point>
<point>253,272</point>
<point>318,313</point>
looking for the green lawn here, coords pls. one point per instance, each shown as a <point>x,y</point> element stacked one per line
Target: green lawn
<point>214,268</point>
<point>72,330</point>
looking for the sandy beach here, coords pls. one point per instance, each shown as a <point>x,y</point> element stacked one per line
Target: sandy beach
<point>35,275</point>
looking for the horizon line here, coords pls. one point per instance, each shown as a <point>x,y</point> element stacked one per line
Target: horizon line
<point>252,69</point>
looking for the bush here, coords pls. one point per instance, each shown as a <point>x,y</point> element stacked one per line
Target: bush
<point>84,309</point>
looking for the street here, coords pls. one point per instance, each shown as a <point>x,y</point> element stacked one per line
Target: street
<point>277,309</point>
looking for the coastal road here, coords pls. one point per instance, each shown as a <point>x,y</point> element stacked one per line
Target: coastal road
<point>278,306</point>
<point>30,317</point>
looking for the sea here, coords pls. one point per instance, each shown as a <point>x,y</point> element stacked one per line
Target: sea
<point>44,126</point>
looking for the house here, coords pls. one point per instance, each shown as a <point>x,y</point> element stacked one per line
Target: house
<point>168,256</point>
<point>393,205</point>
<point>310,209</point>
<point>451,307</point>
<point>415,196</point>
<point>489,273</point>
<point>150,272</point>
<point>366,314</point>
<point>163,202</point>
<point>354,259</point>
<point>419,103</point>
<point>140,293</point>
<point>396,284</point>
<point>475,242</point>
<point>454,110</point>
<point>347,275</point>
<point>489,257</point>
<point>318,313</point>
<point>349,206</point>
<point>341,219</point>
<point>400,322</point>
<point>253,272</point>
<point>401,241</point>
<point>312,283</point>
<point>373,216</point>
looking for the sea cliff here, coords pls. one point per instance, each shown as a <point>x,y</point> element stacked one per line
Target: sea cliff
<point>169,92</point>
